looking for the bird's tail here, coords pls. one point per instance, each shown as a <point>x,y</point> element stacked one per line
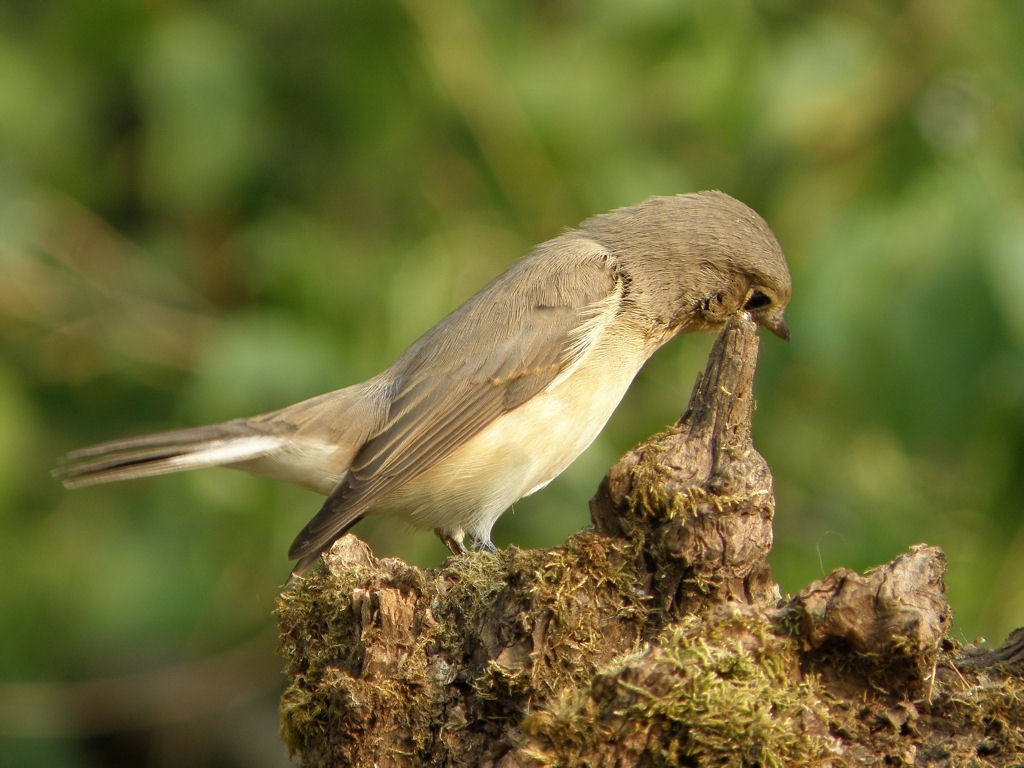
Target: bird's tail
<point>231,442</point>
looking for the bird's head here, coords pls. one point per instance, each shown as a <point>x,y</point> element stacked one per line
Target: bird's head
<point>694,260</point>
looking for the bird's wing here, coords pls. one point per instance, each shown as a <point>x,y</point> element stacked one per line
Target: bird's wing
<point>494,353</point>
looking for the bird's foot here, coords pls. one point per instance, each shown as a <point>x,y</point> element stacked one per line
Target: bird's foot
<point>452,540</point>
<point>484,545</point>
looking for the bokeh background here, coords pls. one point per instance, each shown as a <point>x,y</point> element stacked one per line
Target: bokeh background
<point>212,209</point>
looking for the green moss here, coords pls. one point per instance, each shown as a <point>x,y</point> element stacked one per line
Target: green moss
<point>530,634</point>
<point>553,610</point>
<point>317,633</point>
<point>723,694</point>
<point>717,702</point>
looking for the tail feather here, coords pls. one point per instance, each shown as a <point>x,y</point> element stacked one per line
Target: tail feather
<point>310,443</point>
<point>224,430</point>
<point>165,452</point>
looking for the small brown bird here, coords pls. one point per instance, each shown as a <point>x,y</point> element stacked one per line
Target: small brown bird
<point>493,402</point>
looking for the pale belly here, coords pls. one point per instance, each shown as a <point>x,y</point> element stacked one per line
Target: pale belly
<point>521,452</point>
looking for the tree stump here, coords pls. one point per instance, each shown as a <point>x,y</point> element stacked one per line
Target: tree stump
<point>654,638</point>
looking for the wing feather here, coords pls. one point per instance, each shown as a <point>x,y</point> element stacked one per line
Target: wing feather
<point>494,353</point>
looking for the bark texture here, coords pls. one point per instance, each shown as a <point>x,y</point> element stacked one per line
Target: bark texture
<point>654,638</point>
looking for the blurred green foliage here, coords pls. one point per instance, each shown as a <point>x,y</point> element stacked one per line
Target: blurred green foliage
<point>207,210</point>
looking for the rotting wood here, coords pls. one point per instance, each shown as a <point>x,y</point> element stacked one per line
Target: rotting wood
<point>654,638</point>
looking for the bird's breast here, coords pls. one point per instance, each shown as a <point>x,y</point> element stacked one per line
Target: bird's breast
<point>524,449</point>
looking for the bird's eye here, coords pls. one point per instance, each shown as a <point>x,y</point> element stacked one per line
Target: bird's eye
<point>757,300</point>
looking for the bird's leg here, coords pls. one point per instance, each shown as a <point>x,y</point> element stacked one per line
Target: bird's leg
<point>452,540</point>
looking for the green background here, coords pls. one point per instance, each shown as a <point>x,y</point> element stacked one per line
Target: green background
<point>209,210</point>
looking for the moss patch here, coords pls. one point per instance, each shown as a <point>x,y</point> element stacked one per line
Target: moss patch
<point>726,693</point>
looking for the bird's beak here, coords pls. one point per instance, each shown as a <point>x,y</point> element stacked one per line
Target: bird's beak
<point>775,323</point>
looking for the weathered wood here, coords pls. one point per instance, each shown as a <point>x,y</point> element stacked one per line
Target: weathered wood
<point>654,638</point>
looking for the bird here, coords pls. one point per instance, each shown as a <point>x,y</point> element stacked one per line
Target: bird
<point>499,397</point>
